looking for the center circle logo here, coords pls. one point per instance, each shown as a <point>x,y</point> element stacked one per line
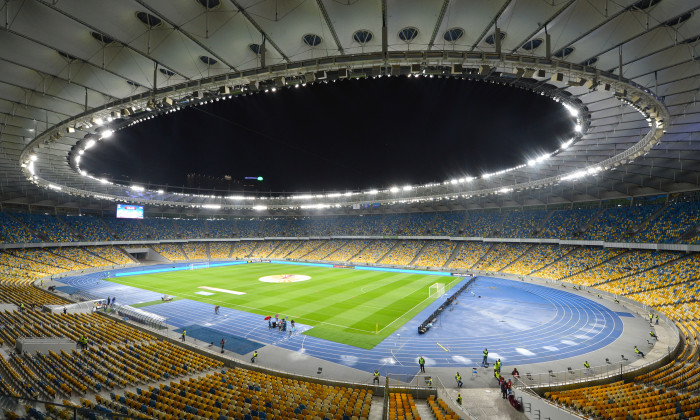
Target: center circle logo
<point>284,278</point>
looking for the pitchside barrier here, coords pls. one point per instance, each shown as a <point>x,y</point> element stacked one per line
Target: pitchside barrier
<point>425,326</point>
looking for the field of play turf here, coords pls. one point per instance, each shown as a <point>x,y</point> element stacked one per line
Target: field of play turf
<point>354,307</point>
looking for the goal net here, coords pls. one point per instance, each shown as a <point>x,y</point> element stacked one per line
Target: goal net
<point>197,265</point>
<point>436,290</point>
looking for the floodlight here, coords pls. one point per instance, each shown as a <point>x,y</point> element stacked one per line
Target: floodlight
<point>107,133</point>
<point>394,189</point>
<point>572,110</point>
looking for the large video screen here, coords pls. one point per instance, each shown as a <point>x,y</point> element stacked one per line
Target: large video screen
<point>129,211</point>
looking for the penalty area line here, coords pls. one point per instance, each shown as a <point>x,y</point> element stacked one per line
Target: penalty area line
<point>405,313</point>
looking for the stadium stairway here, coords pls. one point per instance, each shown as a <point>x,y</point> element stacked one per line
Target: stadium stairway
<point>388,252</point>
<point>359,252</point>
<point>376,410</point>
<point>320,244</point>
<point>636,273</point>
<point>419,254</point>
<point>587,268</point>
<point>583,228</point>
<point>107,228</point>
<point>554,261</point>
<point>518,258</point>
<point>540,227</point>
<point>454,254</point>
<point>27,228</point>
<point>70,228</point>
<point>491,247</point>
<point>643,225</point>
<point>424,410</point>
<point>272,251</point>
<point>689,234</point>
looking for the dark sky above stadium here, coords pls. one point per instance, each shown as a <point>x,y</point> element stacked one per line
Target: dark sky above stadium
<point>352,134</point>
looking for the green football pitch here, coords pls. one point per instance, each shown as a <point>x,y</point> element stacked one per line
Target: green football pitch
<point>354,307</point>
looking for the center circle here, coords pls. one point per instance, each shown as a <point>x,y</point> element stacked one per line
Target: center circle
<point>284,278</point>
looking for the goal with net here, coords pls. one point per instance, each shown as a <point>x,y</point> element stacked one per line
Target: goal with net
<point>436,290</point>
<point>197,265</point>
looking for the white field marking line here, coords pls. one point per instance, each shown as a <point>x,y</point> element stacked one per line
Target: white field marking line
<point>229,304</point>
<point>200,297</point>
<point>232,292</point>
<point>406,313</point>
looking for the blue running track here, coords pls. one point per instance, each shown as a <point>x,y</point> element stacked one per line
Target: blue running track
<point>518,322</point>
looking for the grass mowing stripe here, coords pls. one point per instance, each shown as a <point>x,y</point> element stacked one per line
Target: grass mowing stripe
<point>343,305</point>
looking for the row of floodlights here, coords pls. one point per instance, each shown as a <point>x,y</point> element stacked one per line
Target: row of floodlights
<point>225,93</point>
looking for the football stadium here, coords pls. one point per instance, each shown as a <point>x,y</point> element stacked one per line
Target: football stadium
<point>349,209</point>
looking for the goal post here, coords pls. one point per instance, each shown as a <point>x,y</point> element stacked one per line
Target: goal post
<point>436,290</point>
<point>196,265</point>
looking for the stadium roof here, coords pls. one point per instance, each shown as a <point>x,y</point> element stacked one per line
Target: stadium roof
<point>64,64</point>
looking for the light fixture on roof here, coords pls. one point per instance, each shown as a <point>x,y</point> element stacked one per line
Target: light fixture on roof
<point>394,189</point>
<point>572,110</point>
<point>107,133</point>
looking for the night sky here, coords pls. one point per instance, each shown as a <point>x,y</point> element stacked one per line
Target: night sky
<point>352,134</point>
